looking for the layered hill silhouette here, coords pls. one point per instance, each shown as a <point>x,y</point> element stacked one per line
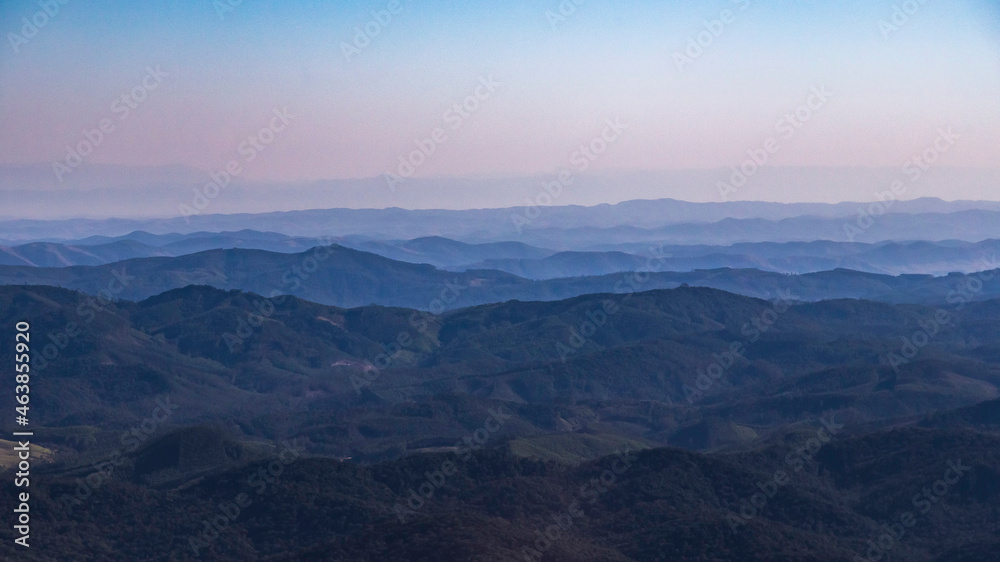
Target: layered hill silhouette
<point>493,505</point>
<point>835,414</point>
<point>340,276</point>
<point>678,222</point>
<point>573,260</point>
<point>691,367</point>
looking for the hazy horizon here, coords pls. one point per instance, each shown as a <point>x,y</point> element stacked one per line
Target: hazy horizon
<point>392,95</point>
<point>148,192</point>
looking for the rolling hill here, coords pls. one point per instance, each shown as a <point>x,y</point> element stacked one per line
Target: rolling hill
<point>645,422</point>
<point>339,276</point>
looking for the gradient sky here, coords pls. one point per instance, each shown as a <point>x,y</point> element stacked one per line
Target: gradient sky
<point>558,84</point>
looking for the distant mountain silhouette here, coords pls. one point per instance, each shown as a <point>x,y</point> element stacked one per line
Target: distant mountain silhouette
<point>574,227</point>
<point>340,276</point>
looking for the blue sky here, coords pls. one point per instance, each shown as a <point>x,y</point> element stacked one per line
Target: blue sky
<point>559,81</point>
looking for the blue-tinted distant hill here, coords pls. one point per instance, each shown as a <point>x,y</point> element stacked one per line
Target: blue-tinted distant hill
<point>937,258</point>
<point>574,227</point>
<point>347,277</point>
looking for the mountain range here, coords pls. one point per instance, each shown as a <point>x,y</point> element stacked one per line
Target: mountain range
<point>570,227</point>
<point>341,276</point>
<point>100,191</point>
<point>937,258</point>
<point>652,380</point>
<point>688,423</point>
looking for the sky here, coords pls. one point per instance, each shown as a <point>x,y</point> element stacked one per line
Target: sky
<point>295,91</point>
